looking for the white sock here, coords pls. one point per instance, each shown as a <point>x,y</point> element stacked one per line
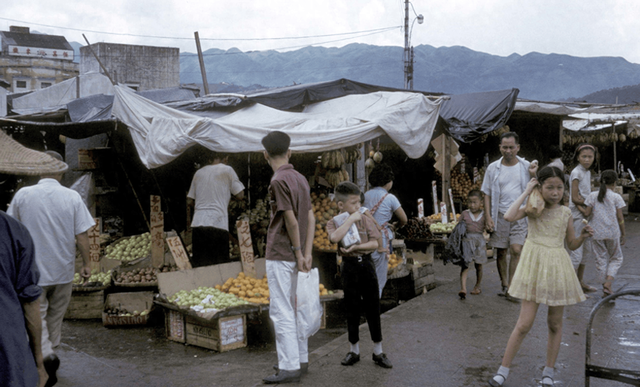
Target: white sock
<point>377,348</point>
<point>355,348</point>
<point>547,371</point>
<point>503,373</point>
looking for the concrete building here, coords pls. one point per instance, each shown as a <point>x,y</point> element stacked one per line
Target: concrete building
<point>139,67</point>
<point>34,61</point>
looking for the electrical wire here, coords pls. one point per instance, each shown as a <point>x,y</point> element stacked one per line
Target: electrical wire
<point>383,29</point>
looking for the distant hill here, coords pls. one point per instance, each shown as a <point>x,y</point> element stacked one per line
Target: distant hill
<point>622,95</point>
<point>454,70</point>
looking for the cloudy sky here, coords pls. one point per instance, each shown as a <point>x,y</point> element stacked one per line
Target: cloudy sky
<point>585,28</point>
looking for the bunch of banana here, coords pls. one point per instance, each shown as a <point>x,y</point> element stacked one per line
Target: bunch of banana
<point>498,132</point>
<point>333,159</point>
<point>351,155</point>
<point>336,176</point>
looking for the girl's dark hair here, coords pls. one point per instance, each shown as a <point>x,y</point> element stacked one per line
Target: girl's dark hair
<point>381,175</point>
<point>475,192</point>
<point>582,147</point>
<point>607,177</point>
<point>549,172</point>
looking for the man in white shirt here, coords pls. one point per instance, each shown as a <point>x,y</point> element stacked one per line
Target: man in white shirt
<point>56,217</point>
<point>210,193</point>
<point>504,182</point>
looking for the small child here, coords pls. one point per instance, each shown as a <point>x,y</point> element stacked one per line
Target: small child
<point>474,246</point>
<point>360,282</point>
<point>608,227</point>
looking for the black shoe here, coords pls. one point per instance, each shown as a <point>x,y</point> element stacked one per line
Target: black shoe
<point>504,292</point>
<point>511,298</point>
<point>304,367</point>
<point>351,359</point>
<point>283,376</point>
<point>51,365</point>
<point>382,360</point>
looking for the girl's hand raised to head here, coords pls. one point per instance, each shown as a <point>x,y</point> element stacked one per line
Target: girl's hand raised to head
<point>531,184</point>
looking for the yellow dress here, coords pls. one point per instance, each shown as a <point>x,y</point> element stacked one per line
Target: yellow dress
<point>545,273</point>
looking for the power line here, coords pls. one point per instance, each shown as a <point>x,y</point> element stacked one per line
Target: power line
<point>211,39</point>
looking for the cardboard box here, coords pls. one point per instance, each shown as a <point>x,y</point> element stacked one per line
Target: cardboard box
<point>219,334</point>
<point>138,301</point>
<point>85,305</point>
<point>174,325</point>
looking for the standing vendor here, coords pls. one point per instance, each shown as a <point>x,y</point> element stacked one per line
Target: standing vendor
<point>210,193</point>
<point>383,205</point>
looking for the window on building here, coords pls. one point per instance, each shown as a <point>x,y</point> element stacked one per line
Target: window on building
<point>21,84</point>
<point>134,86</point>
<point>44,85</point>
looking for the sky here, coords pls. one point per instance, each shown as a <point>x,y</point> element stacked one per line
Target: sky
<point>585,28</point>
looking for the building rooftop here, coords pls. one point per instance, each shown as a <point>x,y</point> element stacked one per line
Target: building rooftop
<point>22,37</point>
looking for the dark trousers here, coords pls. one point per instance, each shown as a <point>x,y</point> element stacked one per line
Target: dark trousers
<point>210,246</point>
<point>360,285</point>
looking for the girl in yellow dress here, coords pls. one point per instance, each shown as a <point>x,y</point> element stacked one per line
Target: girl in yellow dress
<point>545,274</point>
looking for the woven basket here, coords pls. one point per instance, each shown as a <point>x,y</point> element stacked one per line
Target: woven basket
<point>16,159</point>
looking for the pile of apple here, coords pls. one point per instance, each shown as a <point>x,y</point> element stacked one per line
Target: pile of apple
<point>117,312</point>
<point>96,276</point>
<point>129,249</point>
<point>206,297</point>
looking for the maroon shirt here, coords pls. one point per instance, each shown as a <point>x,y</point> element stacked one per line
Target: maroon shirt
<point>289,191</point>
<point>472,225</point>
<point>367,229</point>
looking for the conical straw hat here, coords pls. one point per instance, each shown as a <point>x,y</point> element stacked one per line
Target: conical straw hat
<point>16,159</point>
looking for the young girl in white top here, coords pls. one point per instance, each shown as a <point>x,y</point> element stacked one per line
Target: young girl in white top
<point>544,274</point>
<point>580,183</point>
<point>608,226</point>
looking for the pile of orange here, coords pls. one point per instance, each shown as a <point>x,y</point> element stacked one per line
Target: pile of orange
<point>321,239</point>
<point>394,261</point>
<point>253,290</point>
<point>324,209</point>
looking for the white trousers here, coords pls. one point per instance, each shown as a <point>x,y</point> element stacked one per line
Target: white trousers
<point>608,256</point>
<point>54,302</point>
<point>283,281</point>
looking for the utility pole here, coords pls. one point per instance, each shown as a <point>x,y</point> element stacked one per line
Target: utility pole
<point>405,55</point>
<point>203,71</point>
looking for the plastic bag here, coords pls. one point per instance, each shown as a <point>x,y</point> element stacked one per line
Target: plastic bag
<point>535,204</point>
<point>308,307</point>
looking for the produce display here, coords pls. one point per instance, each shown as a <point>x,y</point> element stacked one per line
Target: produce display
<point>124,313</point>
<point>206,297</point>
<point>442,228</point>
<point>131,248</point>
<point>96,277</point>
<point>334,161</point>
<point>143,275</point>
<point>415,229</point>
<point>394,261</point>
<point>324,209</point>
<point>437,218</point>
<point>258,217</point>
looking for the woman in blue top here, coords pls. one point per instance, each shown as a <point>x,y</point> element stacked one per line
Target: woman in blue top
<point>383,205</point>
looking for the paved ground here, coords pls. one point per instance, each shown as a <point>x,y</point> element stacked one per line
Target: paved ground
<point>433,340</point>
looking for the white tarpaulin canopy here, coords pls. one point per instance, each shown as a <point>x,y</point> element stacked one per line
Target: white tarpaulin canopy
<point>161,134</point>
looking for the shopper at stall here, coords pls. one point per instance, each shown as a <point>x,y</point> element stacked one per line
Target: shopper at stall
<point>209,195</point>
<point>545,275</point>
<point>21,363</point>
<point>360,283</point>
<point>608,224</point>
<point>383,206</point>
<point>503,182</point>
<point>474,246</point>
<point>289,248</point>
<point>580,182</point>
<point>56,217</point>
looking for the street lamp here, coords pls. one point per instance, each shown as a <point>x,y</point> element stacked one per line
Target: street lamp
<point>408,50</point>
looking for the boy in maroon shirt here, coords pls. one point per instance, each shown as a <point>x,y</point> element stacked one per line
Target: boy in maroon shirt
<point>360,282</point>
<point>289,247</point>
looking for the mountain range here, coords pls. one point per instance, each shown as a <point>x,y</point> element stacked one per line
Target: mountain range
<point>452,70</point>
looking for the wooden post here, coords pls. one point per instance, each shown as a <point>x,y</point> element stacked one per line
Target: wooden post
<point>615,153</point>
<point>94,245</point>
<point>201,60</point>
<point>157,232</point>
<point>246,248</point>
<point>179,253</point>
<point>561,131</point>
<point>446,166</point>
<point>98,59</point>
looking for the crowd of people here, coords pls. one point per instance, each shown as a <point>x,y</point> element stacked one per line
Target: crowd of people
<point>540,259</point>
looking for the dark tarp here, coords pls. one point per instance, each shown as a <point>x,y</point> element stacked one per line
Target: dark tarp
<point>469,116</point>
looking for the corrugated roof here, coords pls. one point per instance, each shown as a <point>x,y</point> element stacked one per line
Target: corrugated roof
<point>56,42</point>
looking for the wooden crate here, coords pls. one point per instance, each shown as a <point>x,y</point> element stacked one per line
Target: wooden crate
<point>220,334</point>
<point>138,301</point>
<point>85,305</point>
<point>174,325</point>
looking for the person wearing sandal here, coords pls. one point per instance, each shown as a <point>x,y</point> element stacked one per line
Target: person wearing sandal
<point>545,274</point>
<point>474,247</point>
<point>608,226</point>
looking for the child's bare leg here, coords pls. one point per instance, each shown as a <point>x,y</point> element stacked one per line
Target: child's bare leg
<point>607,286</point>
<point>464,271</point>
<point>554,323</point>
<point>528,310</point>
<point>476,288</point>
